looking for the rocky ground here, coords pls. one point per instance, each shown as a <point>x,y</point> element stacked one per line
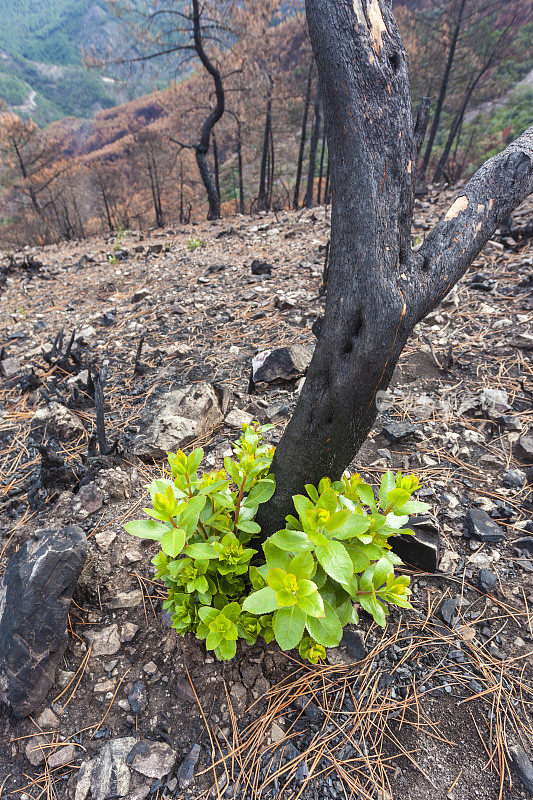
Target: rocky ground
<point>438,705</point>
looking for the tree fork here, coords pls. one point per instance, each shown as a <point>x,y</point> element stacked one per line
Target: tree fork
<point>378,289</point>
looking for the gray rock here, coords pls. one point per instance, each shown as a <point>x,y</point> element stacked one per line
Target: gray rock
<point>35,593</point>
<point>141,294</point>
<point>88,500</point>
<point>237,418</point>
<point>104,642</point>
<point>524,448</point>
<point>107,775</point>
<point>9,367</point>
<point>514,479</point>
<point>448,611</point>
<point>482,527</point>
<point>523,766</point>
<point>488,580</point>
<point>186,770</point>
<point>261,267</point>
<point>176,418</point>
<point>423,549</point>
<point>398,431</point>
<point>152,759</point>
<point>138,698</point>
<point>280,365</point>
<point>58,421</point>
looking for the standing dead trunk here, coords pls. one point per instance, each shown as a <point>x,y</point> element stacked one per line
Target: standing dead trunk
<point>216,164</point>
<point>321,173</point>
<point>202,148</point>
<point>309,193</point>
<point>303,136</point>
<point>378,288</point>
<point>442,92</point>
<point>262,197</point>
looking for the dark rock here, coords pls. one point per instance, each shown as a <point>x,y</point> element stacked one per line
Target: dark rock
<point>186,771</point>
<point>525,564</point>
<point>109,318</point>
<point>138,698</point>
<point>155,248</point>
<point>35,594</point>
<point>525,543</point>
<point>514,479</point>
<point>398,431</point>
<point>487,580</point>
<point>482,527</point>
<point>423,549</point>
<point>353,643</point>
<point>140,294</point>
<point>448,611</point>
<point>280,365</point>
<point>107,775</point>
<point>523,766</point>
<point>261,267</point>
<point>316,327</point>
<point>524,448</point>
<point>482,282</point>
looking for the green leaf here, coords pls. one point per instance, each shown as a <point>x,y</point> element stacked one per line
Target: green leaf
<point>194,460</point>
<point>248,526</point>
<point>201,550</point>
<point>397,498</point>
<point>289,626</point>
<point>233,470</point>
<point>301,504</point>
<point>302,565</point>
<point>328,500</point>
<point>294,541</point>
<point>275,578</point>
<point>226,649</point>
<point>382,569</point>
<point>337,519</point>
<point>335,560</point>
<point>261,493</point>
<point>189,517</point>
<point>326,630</point>
<point>359,558</point>
<point>355,526</point>
<point>261,602</point>
<point>366,495</point>
<point>312,605</point>
<point>275,556</point>
<point>388,483</point>
<point>146,529</point>
<point>208,614</point>
<point>172,542</point>
<point>312,492</point>
<point>415,507</point>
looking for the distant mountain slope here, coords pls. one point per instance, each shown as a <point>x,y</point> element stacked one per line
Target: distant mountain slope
<point>41,70</point>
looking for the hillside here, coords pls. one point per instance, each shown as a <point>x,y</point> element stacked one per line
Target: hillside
<point>41,48</point>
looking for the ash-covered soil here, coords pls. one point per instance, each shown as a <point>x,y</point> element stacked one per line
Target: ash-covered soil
<point>432,707</point>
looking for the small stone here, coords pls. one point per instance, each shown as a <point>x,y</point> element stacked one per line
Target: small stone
<point>150,668</point>
<point>87,335</point>
<point>421,550</point>
<point>523,766</point>
<point>138,697</point>
<point>185,772</point>
<point>398,431</point>
<point>47,720</point>
<point>524,448</point>
<point>448,611</point>
<point>105,539</point>
<point>482,527</point>
<point>36,749</point>
<point>104,686</point>
<point>449,562</point>
<point>153,759</point>
<point>106,775</point>
<point>237,418</point>
<point>126,600</point>
<point>514,479</point>
<point>487,580</point>
<point>62,756</point>
<point>140,294</point>
<point>105,642</point>
<point>9,367</point>
<point>88,500</point>
<point>281,365</point>
<point>261,267</point>
<point>129,629</point>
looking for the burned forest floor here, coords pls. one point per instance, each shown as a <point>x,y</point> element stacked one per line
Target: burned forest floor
<point>94,336</point>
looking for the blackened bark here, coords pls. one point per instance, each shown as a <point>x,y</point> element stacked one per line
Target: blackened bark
<point>216,164</point>
<point>202,148</point>
<point>442,92</point>
<point>262,197</point>
<point>321,173</point>
<point>378,289</point>
<point>303,136</point>
<point>309,192</point>
<point>239,164</point>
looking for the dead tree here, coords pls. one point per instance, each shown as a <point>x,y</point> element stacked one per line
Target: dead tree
<point>310,190</point>
<point>303,136</point>
<point>378,288</point>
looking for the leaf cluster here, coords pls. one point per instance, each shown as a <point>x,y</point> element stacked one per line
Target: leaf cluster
<point>333,555</point>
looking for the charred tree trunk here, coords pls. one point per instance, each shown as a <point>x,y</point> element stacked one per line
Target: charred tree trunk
<point>239,166</point>
<point>262,197</point>
<point>202,148</point>
<point>321,173</point>
<point>378,288</point>
<point>442,92</point>
<point>303,136</point>
<point>309,193</point>
<point>216,164</point>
